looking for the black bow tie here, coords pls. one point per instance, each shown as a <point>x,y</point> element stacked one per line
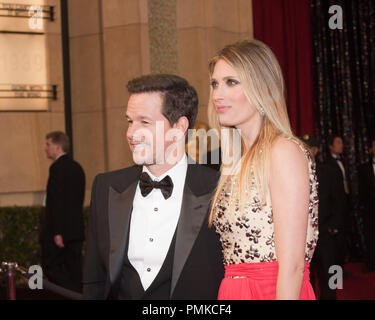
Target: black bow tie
<point>147,184</point>
<point>338,159</point>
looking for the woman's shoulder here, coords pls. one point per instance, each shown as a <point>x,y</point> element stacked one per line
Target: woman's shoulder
<point>289,168</point>
<point>288,150</point>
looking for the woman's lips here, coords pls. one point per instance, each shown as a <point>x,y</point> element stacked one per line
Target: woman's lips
<point>221,109</point>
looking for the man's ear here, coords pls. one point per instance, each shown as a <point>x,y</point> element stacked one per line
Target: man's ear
<point>182,124</point>
<point>59,148</point>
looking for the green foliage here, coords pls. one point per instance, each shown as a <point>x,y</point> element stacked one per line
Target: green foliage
<point>20,229</point>
<point>19,234</point>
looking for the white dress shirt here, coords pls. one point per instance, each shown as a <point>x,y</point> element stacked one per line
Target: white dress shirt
<point>153,224</point>
<point>373,165</point>
<point>64,153</point>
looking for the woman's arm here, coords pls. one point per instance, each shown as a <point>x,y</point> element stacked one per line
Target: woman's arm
<point>290,192</point>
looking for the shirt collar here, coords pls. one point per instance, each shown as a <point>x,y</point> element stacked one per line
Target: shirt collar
<point>176,173</point>
<point>64,153</point>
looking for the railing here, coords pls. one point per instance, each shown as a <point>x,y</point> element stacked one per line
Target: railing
<point>11,268</point>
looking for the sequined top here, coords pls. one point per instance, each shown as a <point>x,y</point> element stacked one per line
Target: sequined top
<point>248,235</point>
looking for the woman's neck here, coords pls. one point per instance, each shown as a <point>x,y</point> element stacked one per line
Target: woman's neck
<point>249,132</point>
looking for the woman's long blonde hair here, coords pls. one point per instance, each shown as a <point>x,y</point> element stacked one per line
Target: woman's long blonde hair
<point>263,85</point>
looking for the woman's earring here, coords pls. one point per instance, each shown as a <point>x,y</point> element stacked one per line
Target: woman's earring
<point>261,111</point>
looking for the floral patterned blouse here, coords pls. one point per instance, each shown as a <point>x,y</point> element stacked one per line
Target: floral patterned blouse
<point>248,235</point>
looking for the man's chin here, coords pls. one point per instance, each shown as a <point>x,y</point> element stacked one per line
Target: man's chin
<point>142,160</point>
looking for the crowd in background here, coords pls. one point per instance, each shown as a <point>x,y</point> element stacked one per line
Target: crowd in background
<point>335,211</point>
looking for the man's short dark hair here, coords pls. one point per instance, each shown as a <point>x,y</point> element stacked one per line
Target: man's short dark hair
<point>331,139</point>
<point>60,138</point>
<point>179,97</point>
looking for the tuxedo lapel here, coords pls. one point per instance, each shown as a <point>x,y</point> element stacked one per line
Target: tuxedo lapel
<point>193,214</point>
<point>120,206</point>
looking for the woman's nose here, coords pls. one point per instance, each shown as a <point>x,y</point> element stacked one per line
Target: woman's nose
<point>218,94</point>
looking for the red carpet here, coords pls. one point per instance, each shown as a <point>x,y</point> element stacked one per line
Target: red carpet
<point>358,285</point>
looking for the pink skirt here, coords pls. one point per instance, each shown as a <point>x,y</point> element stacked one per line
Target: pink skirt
<point>257,281</point>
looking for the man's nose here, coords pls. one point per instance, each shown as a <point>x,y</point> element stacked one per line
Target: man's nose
<point>130,131</point>
<point>135,133</point>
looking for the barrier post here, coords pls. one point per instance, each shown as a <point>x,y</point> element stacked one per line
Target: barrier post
<point>10,268</point>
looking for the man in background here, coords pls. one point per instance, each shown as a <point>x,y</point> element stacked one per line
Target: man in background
<point>63,232</point>
<point>333,212</point>
<point>336,206</point>
<point>367,199</point>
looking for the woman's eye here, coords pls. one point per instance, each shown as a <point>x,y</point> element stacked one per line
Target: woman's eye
<point>214,84</point>
<point>145,122</point>
<point>232,82</point>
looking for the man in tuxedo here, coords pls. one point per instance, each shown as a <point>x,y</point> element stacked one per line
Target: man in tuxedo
<point>148,234</point>
<point>340,192</point>
<point>367,199</point>
<point>63,231</point>
<point>333,212</point>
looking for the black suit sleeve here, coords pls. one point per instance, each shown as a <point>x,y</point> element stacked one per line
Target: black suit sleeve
<point>56,194</point>
<point>333,206</point>
<point>94,274</point>
<point>324,194</point>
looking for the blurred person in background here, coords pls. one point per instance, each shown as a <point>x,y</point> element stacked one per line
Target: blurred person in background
<point>63,230</point>
<point>367,200</point>
<point>333,212</point>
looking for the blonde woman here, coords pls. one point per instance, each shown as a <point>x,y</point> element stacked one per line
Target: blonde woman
<point>266,207</point>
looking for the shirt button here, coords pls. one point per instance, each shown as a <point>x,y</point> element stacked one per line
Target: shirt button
<point>156,209</point>
<point>151,239</point>
<point>148,269</point>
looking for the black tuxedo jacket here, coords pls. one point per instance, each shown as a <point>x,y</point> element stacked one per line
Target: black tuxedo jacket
<point>65,196</point>
<point>367,189</point>
<point>197,262</point>
<point>333,201</point>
